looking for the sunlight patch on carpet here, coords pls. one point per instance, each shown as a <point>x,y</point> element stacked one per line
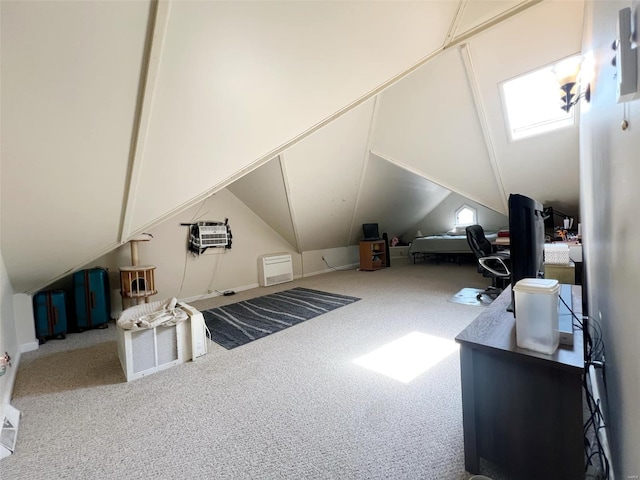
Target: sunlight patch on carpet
<point>406,358</point>
<point>469,296</point>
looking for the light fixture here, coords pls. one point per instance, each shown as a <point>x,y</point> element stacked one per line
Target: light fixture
<point>567,74</point>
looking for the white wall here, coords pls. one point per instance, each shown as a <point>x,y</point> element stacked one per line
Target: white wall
<point>394,198</point>
<point>182,275</point>
<point>264,191</point>
<point>8,336</point>
<point>417,127</point>
<point>70,72</point>
<point>609,202</point>
<point>442,218</point>
<point>324,175</point>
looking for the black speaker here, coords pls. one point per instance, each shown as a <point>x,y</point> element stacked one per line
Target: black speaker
<point>385,237</point>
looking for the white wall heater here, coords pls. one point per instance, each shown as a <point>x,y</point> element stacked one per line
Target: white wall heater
<point>275,268</point>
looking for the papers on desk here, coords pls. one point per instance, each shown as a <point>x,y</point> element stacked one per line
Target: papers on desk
<point>562,253</point>
<point>556,253</point>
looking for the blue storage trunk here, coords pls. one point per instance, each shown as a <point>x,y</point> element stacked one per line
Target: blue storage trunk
<point>92,298</point>
<point>50,314</point>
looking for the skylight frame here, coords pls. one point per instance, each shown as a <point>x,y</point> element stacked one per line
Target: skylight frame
<point>550,95</point>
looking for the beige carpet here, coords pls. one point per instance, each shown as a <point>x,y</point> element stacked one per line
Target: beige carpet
<point>293,405</point>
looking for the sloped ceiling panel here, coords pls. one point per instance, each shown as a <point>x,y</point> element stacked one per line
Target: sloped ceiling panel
<point>324,173</point>
<point>394,198</point>
<point>545,166</point>
<point>70,76</point>
<point>239,80</point>
<point>428,122</point>
<point>263,191</point>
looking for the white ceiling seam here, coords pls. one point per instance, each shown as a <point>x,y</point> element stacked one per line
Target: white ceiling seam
<point>160,11</point>
<point>287,192</point>
<point>363,171</point>
<point>493,21</point>
<point>465,51</point>
<point>455,23</point>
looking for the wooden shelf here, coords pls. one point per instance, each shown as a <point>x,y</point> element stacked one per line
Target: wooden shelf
<point>373,255</point>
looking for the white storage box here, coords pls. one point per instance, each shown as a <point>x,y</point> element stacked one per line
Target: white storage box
<point>146,351</point>
<point>556,254</point>
<point>536,311</point>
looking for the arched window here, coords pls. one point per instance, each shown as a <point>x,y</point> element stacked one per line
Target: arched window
<point>466,215</point>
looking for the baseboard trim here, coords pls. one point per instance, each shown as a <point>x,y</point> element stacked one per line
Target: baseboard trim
<point>215,294</point>
<point>351,266</point>
<point>29,347</point>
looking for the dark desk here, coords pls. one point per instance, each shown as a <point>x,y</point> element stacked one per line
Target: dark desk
<point>522,410</point>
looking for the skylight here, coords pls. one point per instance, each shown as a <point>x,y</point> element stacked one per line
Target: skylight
<point>531,104</point>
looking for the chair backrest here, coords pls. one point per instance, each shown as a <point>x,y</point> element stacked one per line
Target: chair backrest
<point>478,243</point>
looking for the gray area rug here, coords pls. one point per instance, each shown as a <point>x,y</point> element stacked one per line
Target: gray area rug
<point>239,323</point>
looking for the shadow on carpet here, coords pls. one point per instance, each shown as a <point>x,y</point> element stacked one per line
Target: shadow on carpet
<point>469,296</point>
<point>239,323</point>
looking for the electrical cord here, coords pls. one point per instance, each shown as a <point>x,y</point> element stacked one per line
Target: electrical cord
<point>594,358</point>
<point>327,264</point>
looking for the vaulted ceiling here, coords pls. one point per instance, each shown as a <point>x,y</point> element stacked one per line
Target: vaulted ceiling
<point>318,115</point>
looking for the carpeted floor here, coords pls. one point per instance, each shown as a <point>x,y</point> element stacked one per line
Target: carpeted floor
<point>295,405</point>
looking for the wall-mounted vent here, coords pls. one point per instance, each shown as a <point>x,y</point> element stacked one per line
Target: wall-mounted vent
<point>275,268</point>
<point>213,236</point>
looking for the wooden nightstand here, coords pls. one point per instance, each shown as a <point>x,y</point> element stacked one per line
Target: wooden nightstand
<point>372,255</point>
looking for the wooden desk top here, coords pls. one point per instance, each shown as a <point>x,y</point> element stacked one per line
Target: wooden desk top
<point>494,330</point>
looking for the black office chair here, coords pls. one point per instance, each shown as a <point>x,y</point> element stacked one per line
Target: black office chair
<point>496,265</point>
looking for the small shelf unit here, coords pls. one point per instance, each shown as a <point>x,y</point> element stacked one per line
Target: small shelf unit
<point>373,255</point>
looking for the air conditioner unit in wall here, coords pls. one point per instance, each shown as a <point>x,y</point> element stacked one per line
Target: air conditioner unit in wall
<point>275,268</point>
<point>213,236</point>
<point>147,351</point>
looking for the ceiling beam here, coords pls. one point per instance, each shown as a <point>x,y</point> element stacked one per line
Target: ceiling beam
<point>158,20</point>
<point>465,51</point>
<point>487,24</point>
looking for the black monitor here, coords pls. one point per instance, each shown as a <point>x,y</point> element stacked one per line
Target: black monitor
<point>526,238</point>
<point>370,231</point>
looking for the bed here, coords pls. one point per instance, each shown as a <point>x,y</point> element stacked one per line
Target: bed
<point>443,245</point>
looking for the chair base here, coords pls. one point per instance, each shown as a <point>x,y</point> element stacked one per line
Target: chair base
<point>491,291</point>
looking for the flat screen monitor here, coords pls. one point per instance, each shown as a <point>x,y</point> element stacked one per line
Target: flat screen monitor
<point>370,231</point>
<point>526,238</point>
